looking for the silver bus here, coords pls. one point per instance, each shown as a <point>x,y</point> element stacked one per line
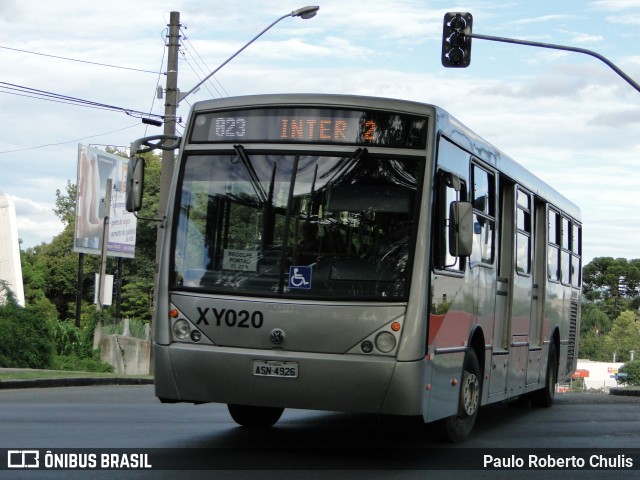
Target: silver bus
<point>359,254</point>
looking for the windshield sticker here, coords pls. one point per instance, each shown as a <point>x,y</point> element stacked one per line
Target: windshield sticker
<point>300,277</point>
<point>241,260</point>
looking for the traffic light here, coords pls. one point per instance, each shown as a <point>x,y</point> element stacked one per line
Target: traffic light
<point>456,42</point>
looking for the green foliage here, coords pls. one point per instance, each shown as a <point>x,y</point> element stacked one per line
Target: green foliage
<point>632,369</point>
<point>66,205</point>
<point>74,346</point>
<point>624,336</point>
<point>136,300</point>
<point>594,320</point>
<point>67,337</point>
<point>593,347</point>
<point>82,364</point>
<point>612,284</point>
<point>25,340</point>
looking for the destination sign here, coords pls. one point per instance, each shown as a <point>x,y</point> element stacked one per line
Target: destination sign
<point>311,125</point>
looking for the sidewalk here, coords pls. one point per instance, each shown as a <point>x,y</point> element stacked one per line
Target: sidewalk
<point>57,378</point>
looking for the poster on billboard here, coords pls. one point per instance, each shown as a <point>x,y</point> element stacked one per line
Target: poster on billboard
<point>95,167</point>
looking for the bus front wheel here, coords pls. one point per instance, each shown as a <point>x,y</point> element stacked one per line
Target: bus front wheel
<point>255,417</point>
<point>458,427</point>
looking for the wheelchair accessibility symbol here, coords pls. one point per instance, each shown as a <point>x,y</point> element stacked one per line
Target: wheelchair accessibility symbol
<point>300,277</point>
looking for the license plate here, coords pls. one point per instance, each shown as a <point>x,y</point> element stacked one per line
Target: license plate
<point>266,368</point>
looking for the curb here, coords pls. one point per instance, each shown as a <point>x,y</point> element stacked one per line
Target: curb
<point>628,392</point>
<point>72,382</point>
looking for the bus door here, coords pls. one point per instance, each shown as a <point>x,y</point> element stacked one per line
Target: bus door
<point>538,225</point>
<point>483,255</point>
<point>515,313</point>
<point>523,317</point>
<point>501,342</point>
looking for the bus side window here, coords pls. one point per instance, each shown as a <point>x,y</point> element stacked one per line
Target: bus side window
<point>446,194</point>
<point>553,247</point>
<point>576,255</point>
<point>483,197</point>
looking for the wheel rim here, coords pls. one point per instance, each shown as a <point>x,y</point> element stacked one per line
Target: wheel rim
<point>470,393</point>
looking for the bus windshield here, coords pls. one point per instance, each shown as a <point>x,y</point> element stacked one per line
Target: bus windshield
<point>293,225</point>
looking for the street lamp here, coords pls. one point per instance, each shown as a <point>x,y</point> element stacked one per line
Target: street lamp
<point>174,97</point>
<point>304,13</point>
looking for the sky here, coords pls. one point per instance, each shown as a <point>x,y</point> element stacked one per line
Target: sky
<point>567,117</point>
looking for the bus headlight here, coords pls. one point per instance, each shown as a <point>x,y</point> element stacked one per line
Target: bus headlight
<point>181,329</point>
<point>385,342</point>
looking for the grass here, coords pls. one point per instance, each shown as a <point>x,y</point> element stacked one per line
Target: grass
<point>10,374</point>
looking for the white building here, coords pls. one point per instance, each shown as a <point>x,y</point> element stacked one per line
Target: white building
<point>600,376</point>
<point>10,267</point>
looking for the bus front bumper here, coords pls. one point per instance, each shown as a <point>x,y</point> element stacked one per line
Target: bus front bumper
<point>352,383</point>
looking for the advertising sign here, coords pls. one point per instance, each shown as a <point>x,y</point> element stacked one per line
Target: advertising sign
<point>95,167</point>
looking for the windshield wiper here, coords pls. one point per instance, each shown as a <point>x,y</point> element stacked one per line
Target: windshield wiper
<point>255,181</point>
<point>347,164</point>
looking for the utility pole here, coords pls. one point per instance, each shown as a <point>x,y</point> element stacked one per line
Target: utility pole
<point>170,109</point>
<point>168,156</point>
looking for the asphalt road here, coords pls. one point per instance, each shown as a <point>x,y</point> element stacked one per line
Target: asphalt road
<point>308,444</point>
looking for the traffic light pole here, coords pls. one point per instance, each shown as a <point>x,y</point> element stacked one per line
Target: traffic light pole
<point>608,62</point>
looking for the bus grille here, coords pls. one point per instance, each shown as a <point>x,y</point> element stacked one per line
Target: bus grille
<point>573,324</point>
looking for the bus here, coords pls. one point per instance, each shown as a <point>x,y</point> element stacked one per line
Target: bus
<point>359,254</point>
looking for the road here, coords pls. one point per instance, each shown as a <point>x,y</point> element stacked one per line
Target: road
<point>130,417</point>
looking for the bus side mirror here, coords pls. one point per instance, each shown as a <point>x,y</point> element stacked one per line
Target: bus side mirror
<point>460,229</point>
<point>135,184</point>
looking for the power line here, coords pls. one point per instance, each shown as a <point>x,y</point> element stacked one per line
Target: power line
<point>29,92</point>
<point>70,141</point>
<point>184,58</point>
<point>81,61</point>
<point>199,60</point>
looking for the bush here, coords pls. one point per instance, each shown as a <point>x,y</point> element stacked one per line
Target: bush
<point>632,369</point>
<point>85,364</point>
<point>25,339</point>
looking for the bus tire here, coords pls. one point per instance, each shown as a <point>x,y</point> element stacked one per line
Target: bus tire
<point>544,397</point>
<point>255,417</point>
<point>458,427</point>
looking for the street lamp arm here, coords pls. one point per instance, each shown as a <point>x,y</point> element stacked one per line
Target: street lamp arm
<point>305,12</point>
<point>605,60</point>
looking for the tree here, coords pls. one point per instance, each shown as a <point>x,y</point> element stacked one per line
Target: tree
<point>66,204</point>
<point>632,369</point>
<point>594,320</point>
<point>612,284</point>
<point>624,336</point>
<point>25,340</point>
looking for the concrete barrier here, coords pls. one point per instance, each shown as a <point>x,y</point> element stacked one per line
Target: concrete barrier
<point>128,355</point>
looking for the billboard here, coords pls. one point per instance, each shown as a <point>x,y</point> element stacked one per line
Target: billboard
<point>95,167</point>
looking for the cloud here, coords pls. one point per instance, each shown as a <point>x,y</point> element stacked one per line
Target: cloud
<point>616,118</point>
<point>541,19</point>
<point>35,220</point>
<point>617,5</point>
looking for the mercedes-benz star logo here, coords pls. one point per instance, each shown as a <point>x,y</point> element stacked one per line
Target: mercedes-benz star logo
<point>277,336</point>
